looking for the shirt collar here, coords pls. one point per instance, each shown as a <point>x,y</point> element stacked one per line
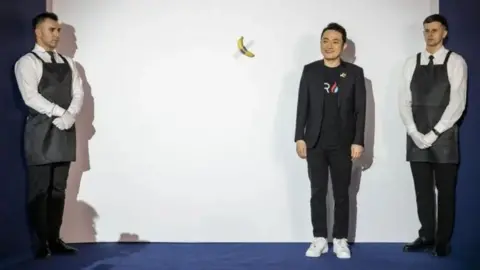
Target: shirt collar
<point>39,48</point>
<point>442,51</point>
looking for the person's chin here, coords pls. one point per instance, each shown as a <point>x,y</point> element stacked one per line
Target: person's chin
<point>330,57</point>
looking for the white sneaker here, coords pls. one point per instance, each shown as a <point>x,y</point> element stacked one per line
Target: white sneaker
<point>340,247</point>
<point>318,247</point>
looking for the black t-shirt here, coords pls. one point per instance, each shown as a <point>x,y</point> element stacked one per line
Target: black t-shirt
<point>330,132</point>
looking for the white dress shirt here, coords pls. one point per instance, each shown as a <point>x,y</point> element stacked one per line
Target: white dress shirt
<point>28,72</point>
<point>457,75</point>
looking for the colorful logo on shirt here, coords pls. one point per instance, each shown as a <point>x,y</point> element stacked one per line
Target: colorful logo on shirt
<point>331,89</point>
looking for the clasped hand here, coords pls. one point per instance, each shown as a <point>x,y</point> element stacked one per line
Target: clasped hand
<point>65,121</point>
<point>423,141</point>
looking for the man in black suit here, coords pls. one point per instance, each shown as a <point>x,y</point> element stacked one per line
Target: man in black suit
<point>329,134</point>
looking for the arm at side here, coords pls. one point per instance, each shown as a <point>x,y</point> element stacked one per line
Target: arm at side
<point>302,107</point>
<point>458,76</point>
<point>360,108</point>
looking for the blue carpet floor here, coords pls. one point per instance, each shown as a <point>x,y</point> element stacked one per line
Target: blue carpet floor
<point>244,256</point>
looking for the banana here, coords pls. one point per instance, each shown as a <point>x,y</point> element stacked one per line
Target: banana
<point>242,48</point>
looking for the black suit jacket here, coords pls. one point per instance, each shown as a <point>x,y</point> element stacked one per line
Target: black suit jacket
<point>351,102</point>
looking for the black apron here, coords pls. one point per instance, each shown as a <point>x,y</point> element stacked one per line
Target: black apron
<point>44,142</point>
<point>430,89</point>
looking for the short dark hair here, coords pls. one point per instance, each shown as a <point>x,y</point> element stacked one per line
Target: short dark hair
<point>437,18</point>
<point>336,27</point>
<point>42,17</point>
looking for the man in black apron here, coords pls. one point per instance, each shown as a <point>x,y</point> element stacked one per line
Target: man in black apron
<point>53,94</point>
<point>430,109</point>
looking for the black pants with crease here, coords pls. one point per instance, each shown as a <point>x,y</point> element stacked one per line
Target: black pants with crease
<point>444,176</point>
<point>338,161</point>
<point>46,199</point>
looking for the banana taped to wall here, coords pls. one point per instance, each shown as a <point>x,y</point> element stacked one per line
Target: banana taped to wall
<point>243,49</point>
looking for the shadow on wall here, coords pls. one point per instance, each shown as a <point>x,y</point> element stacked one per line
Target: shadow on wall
<point>298,183</point>
<point>49,5</point>
<point>130,238</point>
<point>79,218</point>
<point>366,161</point>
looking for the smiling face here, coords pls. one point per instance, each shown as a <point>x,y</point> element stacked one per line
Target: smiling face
<point>332,44</point>
<point>48,34</point>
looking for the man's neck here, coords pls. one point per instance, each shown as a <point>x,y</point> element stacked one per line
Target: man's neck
<point>332,63</point>
<point>433,49</point>
<point>46,48</point>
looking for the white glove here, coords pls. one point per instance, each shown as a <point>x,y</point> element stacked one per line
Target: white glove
<point>58,111</point>
<point>65,121</point>
<point>430,138</point>
<point>418,139</point>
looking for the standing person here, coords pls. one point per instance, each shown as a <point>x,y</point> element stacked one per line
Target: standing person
<point>430,106</point>
<point>52,90</point>
<point>329,134</point>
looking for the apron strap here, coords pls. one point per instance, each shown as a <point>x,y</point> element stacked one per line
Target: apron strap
<point>419,55</point>
<point>36,55</point>
<point>447,57</point>
<point>63,58</point>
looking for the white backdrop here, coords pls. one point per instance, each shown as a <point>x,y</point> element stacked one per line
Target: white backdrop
<point>193,142</point>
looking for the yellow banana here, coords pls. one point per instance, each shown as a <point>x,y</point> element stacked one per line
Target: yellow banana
<point>242,48</point>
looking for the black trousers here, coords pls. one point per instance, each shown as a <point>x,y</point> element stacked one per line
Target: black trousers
<point>444,176</point>
<point>46,199</point>
<point>319,161</point>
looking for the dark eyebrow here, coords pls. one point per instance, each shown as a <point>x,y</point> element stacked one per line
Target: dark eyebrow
<point>335,39</point>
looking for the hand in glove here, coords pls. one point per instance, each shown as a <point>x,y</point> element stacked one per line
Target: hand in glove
<point>418,139</point>
<point>65,121</point>
<point>430,137</point>
<point>58,111</point>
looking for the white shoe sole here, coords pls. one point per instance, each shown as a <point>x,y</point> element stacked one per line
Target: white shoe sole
<point>343,256</point>
<point>317,254</point>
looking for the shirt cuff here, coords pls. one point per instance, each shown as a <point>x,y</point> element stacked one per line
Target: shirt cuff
<point>58,111</point>
<point>440,128</point>
<point>411,129</point>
